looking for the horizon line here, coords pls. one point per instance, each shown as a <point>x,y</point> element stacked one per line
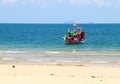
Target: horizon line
<point>57,23</point>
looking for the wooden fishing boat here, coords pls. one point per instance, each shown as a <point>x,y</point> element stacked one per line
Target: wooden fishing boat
<point>75,37</point>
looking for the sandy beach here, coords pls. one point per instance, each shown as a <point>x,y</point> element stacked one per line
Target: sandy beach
<point>58,74</point>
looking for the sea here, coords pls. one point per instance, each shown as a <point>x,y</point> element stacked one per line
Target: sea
<point>43,43</point>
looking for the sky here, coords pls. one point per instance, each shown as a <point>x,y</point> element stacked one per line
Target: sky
<point>59,11</point>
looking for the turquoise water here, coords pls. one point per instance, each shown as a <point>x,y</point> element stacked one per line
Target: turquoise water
<point>33,43</point>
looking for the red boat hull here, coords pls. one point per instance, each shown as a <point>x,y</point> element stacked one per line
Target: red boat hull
<point>75,40</point>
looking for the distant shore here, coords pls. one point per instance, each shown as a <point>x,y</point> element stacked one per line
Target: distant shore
<point>58,74</point>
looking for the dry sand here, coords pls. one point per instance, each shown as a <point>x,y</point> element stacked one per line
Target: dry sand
<point>58,74</point>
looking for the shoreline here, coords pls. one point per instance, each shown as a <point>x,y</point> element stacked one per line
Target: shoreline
<point>74,57</point>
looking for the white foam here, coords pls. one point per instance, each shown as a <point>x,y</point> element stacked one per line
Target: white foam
<point>52,52</point>
<point>35,60</point>
<point>14,52</point>
<point>99,62</point>
<point>8,58</point>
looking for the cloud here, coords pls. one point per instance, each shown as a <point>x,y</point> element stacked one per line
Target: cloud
<point>7,1</point>
<point>90,2</point>
<point>59,2</point>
